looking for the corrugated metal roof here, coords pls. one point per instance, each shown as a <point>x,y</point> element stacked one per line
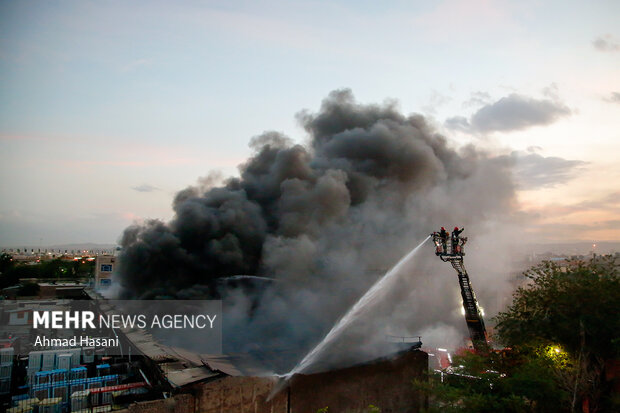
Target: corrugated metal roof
<point>179,378</point>
<point>181,367</point>
<point>235,364</point>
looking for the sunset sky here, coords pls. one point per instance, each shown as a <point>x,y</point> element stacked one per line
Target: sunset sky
<point>107,109</point>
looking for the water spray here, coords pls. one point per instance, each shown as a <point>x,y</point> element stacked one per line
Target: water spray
<point>376,292</point>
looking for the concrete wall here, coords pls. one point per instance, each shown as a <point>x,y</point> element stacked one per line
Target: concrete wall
<point>104,276</point>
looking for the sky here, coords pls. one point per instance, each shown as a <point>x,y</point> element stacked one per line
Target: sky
<point>107,109</point>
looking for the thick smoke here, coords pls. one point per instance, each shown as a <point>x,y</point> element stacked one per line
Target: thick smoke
<point>324,220</point>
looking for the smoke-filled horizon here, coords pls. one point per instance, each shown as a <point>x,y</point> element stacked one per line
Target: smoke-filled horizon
<point>323,219</point>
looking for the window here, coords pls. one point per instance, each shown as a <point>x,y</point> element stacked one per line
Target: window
<point>105,281</point>
<point>106,268</point>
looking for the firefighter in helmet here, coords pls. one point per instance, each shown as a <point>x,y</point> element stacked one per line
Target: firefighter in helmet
<point>455,239</point>
<point>443,234</point>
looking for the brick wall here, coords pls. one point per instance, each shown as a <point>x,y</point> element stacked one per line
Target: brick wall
<point>180,403</point>
<point>386,384</point>
<point>240,394</point>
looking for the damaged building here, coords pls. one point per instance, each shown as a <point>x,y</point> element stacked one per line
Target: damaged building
<point>153,377</point>
<point>242,383</point>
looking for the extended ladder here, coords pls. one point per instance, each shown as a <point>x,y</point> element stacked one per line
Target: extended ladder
<point>473,315</point>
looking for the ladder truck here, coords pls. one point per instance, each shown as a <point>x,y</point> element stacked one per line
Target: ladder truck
<point>450,249</point>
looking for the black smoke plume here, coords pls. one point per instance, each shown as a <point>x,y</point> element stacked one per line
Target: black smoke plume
<point>323,219</point>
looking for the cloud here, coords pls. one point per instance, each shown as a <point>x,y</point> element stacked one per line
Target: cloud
<point>614,97</point>
<point>511,113</point>
<point>610,203</point>
<point>145,188</point>
<point>606,43</point>
<point>477,99</point>
<point>595,219</point>
<point>568,230</point>
<point>551,91</point>
<point>458,123</point>
<point>606,205</point>
<point>436,100</point>
<point>536,171</point>
<point>612,223</point>
<point>517,112</point>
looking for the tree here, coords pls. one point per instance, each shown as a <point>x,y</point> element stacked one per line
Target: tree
<point>6,262</point>
<point>8,277</point>
<point>54,269</point>
<point>559,332</point>
<point>495,382</point>
<point>572,313</point>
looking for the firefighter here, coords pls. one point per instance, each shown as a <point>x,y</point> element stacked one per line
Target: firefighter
<point>437,242</point>
<point>443,234</point>
<point>455,239</point>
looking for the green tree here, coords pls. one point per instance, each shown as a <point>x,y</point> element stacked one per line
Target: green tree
<point>570,318</point>
<point>495,382</point>
<point>54,269</point>
<point>560,330</point>
<point>6,262</point>
<point>7,276</point>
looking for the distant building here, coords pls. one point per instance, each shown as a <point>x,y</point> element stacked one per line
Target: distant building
<point>60,290</point>
<point>105,265</point>
<point>20,317</point>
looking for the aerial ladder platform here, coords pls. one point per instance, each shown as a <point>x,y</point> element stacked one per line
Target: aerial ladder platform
<point>449,248</point>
